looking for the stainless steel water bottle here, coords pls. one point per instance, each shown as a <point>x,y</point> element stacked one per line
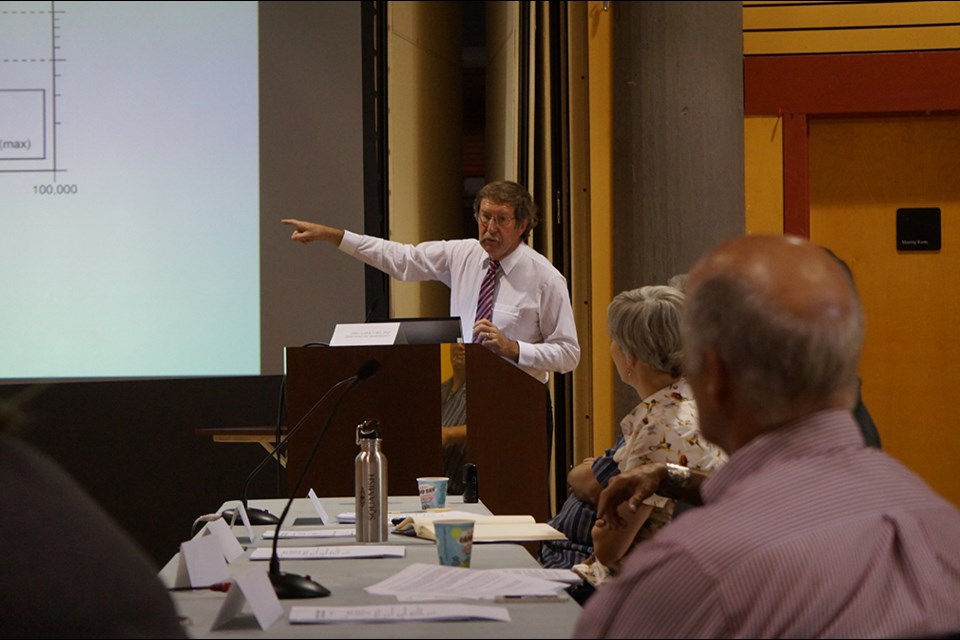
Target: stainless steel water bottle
<point>370,473</point>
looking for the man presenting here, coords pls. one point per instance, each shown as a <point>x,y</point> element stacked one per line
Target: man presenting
<point>806,532</point>
<point>513,298</point>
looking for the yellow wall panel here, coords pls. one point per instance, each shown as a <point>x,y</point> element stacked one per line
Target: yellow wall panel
<point>763,174</point>
<point>601,222</point>
<point>847,40</point>
<point>857,14</point>
<point>795,27</point>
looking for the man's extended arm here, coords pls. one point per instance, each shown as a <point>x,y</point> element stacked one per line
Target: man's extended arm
<point>310,231</point>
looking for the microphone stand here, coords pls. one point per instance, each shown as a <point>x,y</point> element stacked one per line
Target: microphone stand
<point>278,433</point>
<point>262,516</point>
<point>291,585</point>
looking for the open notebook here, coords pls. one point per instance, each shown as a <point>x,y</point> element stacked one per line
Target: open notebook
<point>486,529</point>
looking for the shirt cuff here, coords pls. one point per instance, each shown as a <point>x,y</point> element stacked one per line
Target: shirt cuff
<point>523,355</point>
<point>350,242</point>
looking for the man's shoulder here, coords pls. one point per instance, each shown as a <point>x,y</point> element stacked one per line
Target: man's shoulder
<point>525,254</point>
<point>462,246</point>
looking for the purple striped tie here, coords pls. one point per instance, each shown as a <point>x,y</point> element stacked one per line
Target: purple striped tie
<point>485,300</point>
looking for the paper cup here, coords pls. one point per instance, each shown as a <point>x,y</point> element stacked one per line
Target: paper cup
<point>433,492</point>
<point>454,542</point>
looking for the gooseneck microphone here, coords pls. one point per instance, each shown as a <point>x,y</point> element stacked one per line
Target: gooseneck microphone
<point>255,515</point>
<point>262,516</point>
<point>291,585</point>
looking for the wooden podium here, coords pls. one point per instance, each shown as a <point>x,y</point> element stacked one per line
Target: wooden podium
<point>506,423</point>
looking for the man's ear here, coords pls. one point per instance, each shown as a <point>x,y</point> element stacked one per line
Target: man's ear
<point>716,377</point>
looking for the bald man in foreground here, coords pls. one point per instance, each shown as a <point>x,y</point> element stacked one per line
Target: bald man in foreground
<point>806,532</point>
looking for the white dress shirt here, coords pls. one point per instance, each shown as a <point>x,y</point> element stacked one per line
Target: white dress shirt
<point>531,304</point>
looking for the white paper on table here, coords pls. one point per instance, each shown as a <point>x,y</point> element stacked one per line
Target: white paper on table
<point>324,518</point>
<point>429,579</point>
<point>254,587</point>
<point>397,613</point>
<point>229,546</point>
<point>556,575</point>
<point>424,597</point>
<point>312,533</point>
<point>347,517</point>
<point>320,553</point>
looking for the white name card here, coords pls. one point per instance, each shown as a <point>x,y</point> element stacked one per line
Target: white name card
<point>201,563</point>
<point>364,334</point>
<point>253,588</point>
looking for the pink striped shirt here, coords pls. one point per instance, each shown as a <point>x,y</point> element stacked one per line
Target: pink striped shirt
<point>805,532</point>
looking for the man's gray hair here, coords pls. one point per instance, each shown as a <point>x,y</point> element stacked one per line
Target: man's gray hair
<point>645,322</point>
<point>774,357</point>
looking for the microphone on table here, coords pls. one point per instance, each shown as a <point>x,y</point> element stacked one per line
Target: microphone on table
<point>262,516</point>
<point>291,585</point>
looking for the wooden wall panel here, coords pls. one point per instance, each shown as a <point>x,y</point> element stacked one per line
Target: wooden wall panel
<point>862,170</point>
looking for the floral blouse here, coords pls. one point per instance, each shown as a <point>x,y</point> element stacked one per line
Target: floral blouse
<point>665,427</point>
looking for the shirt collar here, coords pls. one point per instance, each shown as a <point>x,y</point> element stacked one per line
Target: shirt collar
<point>508,261</point>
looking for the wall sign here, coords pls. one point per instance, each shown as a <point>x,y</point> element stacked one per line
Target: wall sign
<point>918,229</point>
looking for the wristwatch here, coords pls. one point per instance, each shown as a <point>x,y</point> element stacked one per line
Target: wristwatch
<point>678,475</point>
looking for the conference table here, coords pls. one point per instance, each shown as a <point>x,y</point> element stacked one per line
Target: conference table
<point>346,579</point>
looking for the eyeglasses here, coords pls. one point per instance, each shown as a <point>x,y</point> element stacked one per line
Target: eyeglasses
<point>485,219</point>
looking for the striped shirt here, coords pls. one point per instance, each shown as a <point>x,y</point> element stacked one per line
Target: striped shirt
<point>805,532</point>
<point>576,519</point>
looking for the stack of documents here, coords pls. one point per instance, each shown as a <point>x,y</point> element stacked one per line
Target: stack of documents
<point>486,528</point>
